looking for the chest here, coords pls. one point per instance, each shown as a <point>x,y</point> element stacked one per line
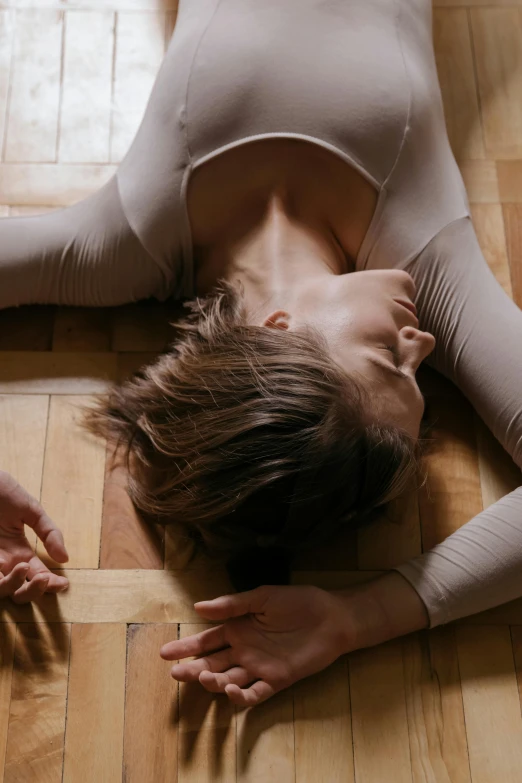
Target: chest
<point>326,69</point>
<point>228,195</point>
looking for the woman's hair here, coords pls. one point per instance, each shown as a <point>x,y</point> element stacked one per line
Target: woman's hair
<point>247,435</point>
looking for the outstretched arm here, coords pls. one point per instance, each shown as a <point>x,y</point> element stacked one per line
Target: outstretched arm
<point>273,636</point>
<point>479,339</point>
<point>85,254</point>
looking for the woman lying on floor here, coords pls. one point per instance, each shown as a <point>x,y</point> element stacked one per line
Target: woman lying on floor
<point>323,193</point>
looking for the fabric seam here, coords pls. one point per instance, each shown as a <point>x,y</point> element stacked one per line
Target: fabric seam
<point>410,93</point>
<point>189,79</point>
<point>384,190</point>
<point>425,246</point>
<point>134,233</point>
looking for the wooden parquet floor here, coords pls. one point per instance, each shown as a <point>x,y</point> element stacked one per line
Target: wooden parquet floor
<point>84,695</point>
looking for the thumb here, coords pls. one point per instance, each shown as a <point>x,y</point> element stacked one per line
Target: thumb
<point>226,606</point>
<point>34,516</point>
<point>55,546</point>
<point>46,531</point>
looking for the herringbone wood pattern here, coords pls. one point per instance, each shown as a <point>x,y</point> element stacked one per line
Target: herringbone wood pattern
<point>83,693</point>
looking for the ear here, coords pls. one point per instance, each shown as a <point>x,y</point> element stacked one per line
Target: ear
<point>279,319</point>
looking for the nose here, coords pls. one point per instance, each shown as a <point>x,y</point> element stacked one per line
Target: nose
<point>416,345</point>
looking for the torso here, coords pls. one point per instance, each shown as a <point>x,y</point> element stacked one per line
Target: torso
<point>213,147</point>
<point>228,195</point>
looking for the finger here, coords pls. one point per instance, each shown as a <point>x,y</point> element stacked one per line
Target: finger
<point>233,605</point>
<point>14,580</point>
<point>56,582</point>
<point>46,531</point>
<point>33,515</point>
<point>217,682</point>
<point>248,697</point>
<point>32,590</point>
<point>197,644</point>
<point>217,662</point>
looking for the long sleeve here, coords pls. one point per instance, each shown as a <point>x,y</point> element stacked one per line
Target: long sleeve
<point>85,254</point>
<point>479,340</point>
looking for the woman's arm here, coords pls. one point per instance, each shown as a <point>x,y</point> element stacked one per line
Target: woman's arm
<point>479,347</point>
<point>273,636</point>
<point>382,609</point>
<point>85,254</point>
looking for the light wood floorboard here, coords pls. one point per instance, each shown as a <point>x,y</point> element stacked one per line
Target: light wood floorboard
<point>84,695</point>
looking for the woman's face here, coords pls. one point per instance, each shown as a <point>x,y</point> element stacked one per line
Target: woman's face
<point>369,322</point>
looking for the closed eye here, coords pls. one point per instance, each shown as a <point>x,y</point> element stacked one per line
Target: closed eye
<point>395,355</point>
<point>396,362</point>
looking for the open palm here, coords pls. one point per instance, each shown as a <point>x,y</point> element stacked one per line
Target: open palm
<point>271,637</point>
<point>23,576</point>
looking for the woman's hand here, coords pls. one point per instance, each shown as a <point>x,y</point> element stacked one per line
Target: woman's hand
<point>271,637</point>
<point>23,576</point>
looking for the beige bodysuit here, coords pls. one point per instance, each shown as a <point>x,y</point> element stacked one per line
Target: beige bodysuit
<point>357,77</point>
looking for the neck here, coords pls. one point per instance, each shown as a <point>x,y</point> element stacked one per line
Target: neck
<point>272,259</point>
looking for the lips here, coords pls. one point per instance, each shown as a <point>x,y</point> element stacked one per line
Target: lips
<point>409,306</point>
